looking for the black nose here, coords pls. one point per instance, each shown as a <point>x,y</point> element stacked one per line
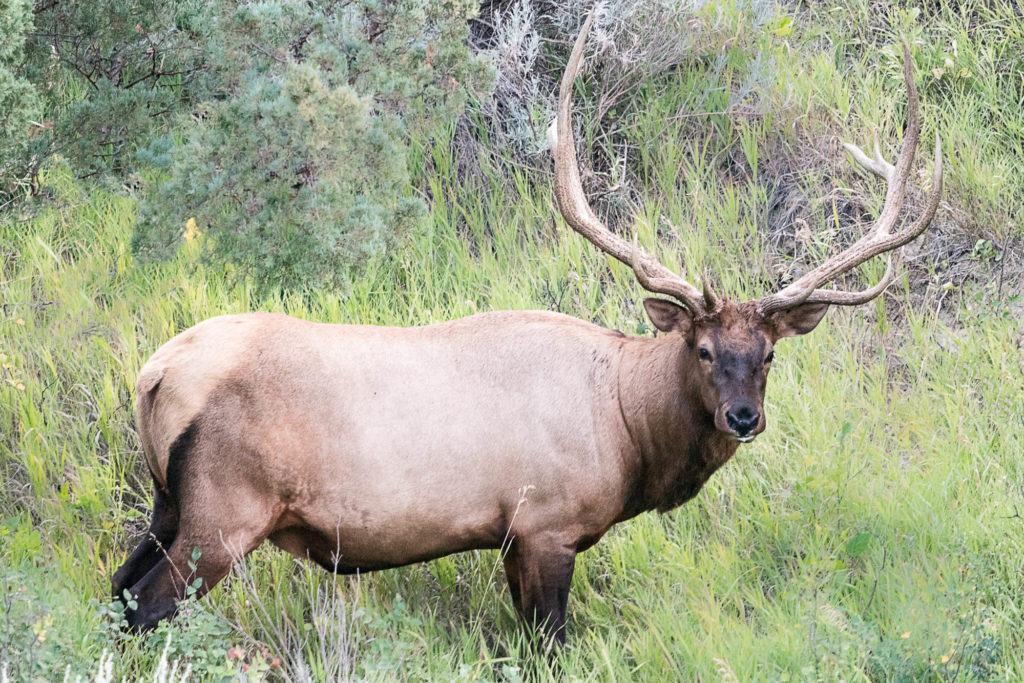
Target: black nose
<point>742,420</point>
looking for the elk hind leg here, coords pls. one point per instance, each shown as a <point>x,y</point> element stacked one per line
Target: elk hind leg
<point>220,543</point>
<point>221,516</point>
<point>162,530</point>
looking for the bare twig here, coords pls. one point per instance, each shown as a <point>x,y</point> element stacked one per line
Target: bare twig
<point>878,574</point>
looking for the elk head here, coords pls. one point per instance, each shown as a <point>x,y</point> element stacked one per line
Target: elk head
<point>728,346</point>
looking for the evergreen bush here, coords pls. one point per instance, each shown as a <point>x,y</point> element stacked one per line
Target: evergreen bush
<point>19,103</point>
<point>275,131</point>
<point>298,173</point>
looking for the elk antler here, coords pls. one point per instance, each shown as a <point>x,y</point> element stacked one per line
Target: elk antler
<point>879,238</point>
<point>581,217</point>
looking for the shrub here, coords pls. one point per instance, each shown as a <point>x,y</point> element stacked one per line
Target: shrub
<point>278,129</point>
<point>298,173</point>
<point>631,42</point>
<point>19,102</point>
<point>114,73</point>
<point>295,180</point>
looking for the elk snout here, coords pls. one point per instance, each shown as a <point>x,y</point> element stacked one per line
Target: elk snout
<point>743,421</point>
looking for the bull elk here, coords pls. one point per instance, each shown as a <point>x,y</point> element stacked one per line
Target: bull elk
<point>364,447</point>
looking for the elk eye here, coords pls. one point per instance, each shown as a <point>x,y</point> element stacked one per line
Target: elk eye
<point>770,358</point>
<point>703,354</point>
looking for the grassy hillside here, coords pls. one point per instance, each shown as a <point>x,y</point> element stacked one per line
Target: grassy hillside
<point>875,530</point>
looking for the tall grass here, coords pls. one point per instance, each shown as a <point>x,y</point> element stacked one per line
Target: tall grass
<point>874,530</point>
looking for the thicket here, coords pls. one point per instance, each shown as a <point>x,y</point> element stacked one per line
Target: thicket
<point>286,137</point>
<point>19,102</point>
<point>290,138</point>
<point>279,130</point>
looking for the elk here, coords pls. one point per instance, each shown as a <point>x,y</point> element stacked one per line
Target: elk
<point>364,447</point>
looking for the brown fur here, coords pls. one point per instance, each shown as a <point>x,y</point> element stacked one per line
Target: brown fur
<point>367,447</point>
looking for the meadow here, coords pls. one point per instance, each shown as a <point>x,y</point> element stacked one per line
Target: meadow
<point>873,532</point>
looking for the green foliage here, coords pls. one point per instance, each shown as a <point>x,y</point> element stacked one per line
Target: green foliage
<point>114,74</point>
<point>294,182</point>
<point>19,103</point>
<point>969,57</point>
<point>197,638</point>
<point>298,172</point>
<point>281,127</point>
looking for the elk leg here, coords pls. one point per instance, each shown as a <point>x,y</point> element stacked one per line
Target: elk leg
<point>162,530</point>
<point>220,542</point>
<point>512,576</point>
<point>544,574</point>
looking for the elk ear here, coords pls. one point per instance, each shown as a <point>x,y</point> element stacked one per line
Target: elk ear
<point>798,320</point>
<point>668,316</point>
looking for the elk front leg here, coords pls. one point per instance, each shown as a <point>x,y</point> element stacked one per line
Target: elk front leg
<point>539,572</point>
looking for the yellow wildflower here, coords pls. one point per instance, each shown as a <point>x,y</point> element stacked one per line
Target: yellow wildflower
<point>191,232</point>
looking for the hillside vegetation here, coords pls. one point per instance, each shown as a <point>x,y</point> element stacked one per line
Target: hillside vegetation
<point>874,531</point>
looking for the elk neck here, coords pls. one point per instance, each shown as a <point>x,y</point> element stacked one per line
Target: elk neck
<point>673,444</point>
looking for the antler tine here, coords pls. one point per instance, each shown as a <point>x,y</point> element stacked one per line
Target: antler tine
<point>879,238</point>
<point>840,298</point>
<point>711,299</point>
<point>879,166</point>
<point>576,210</point>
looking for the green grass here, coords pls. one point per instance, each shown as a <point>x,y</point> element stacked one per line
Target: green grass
<point>873,531</point>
